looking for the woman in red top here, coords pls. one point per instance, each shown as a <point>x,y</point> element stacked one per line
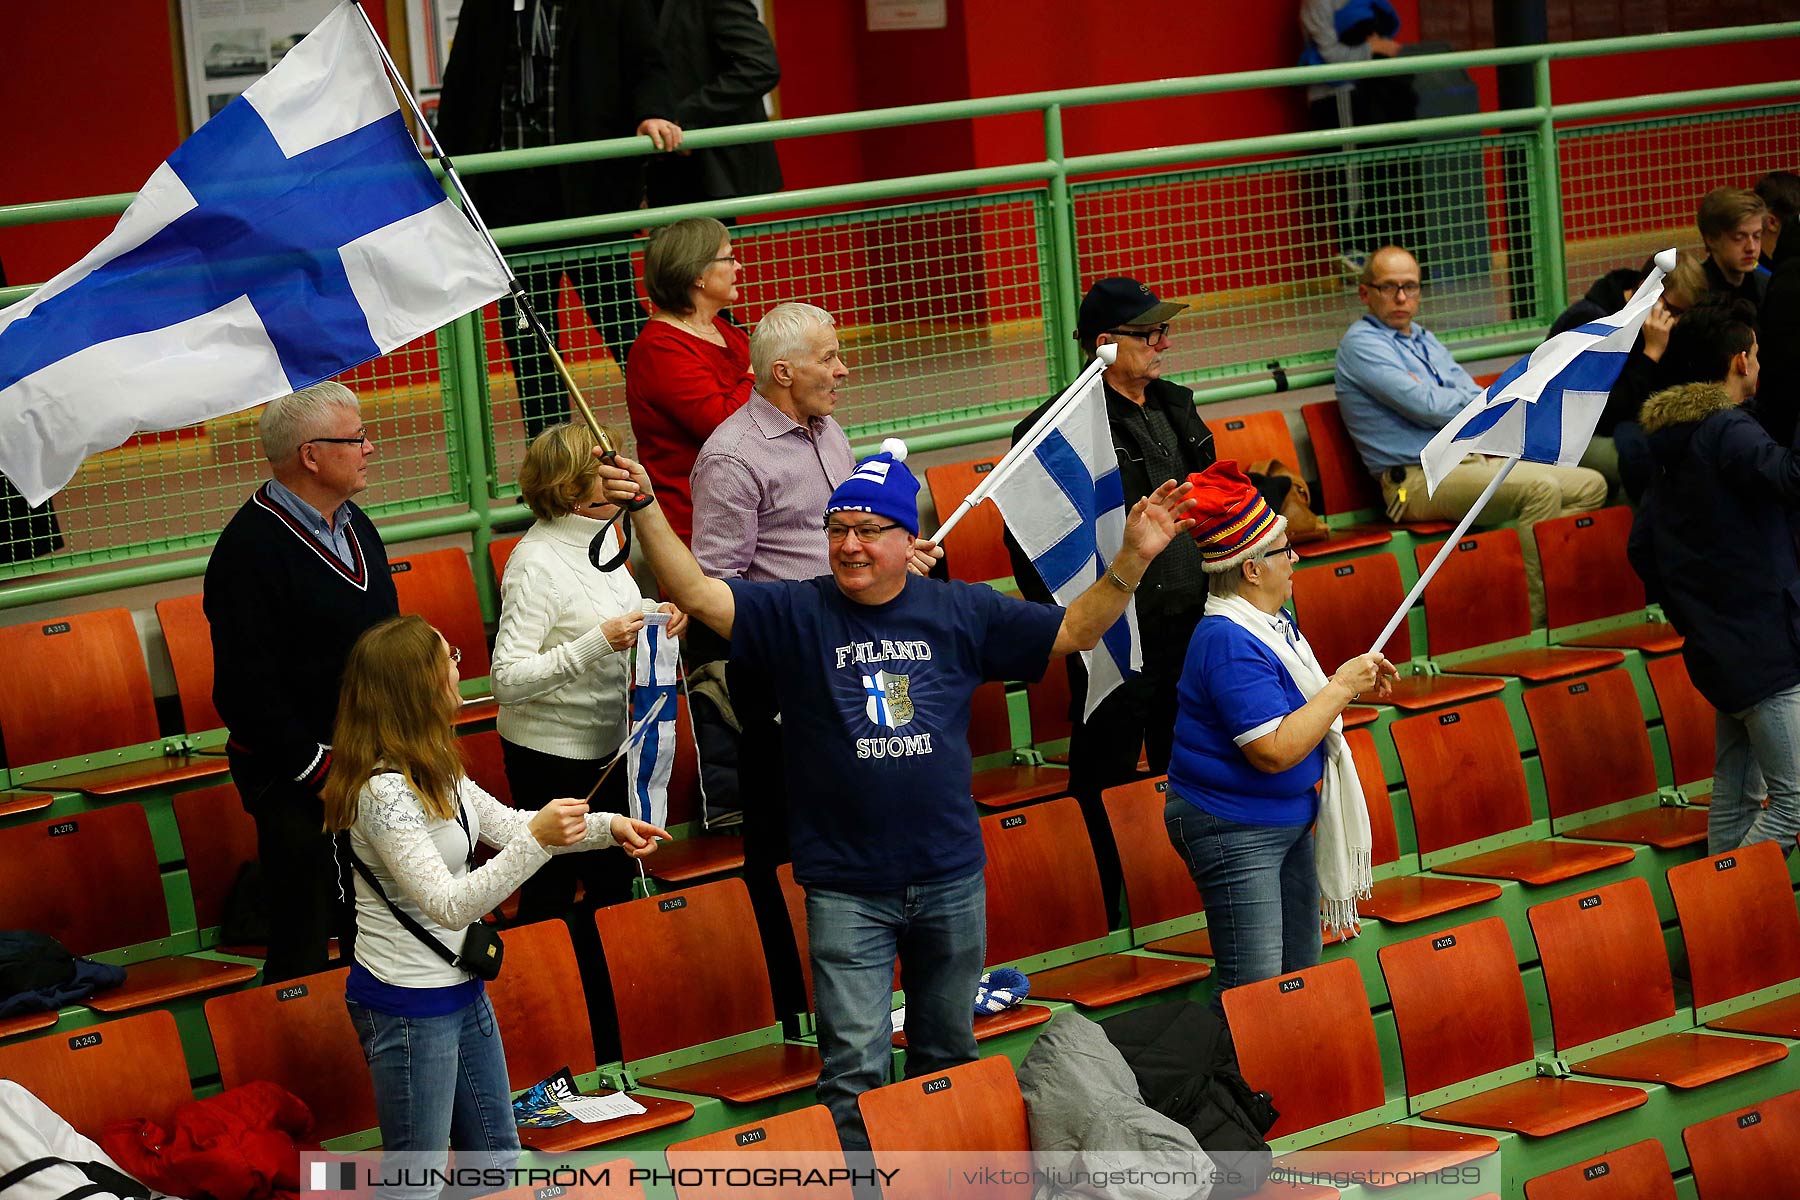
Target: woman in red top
<point>690,368</point>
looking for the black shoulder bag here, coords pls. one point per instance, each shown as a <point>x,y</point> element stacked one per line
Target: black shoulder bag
<point>482,950</point>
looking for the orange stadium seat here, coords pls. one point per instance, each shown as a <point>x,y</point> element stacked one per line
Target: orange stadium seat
<point>1398,899</point>
<point>1608,978</point>
<point>1341,607</point>
<point>804,1140</point>
<point>1742,934</point>
<point>1344,485</point>
<point>990,732</point>
<point>542,1012</point>
<point>1639,1171</point>
<point>439,586</point>
<point>1459,1007</point>
<point>485,763</point>
<point>1479,597</point>
<point>118,1071</point>
<point>1467,784</point>
<point>499,551</point>
<point>1595,753</point>
<point>705,936</point>
<point>95,885</point>
<point>1043,894</point>
<point>1588,578</point>
<point>1747,1154</point>
<point>1158,888</point>
<point>1689,724</point>
<point>977,549</point>
<point>297,1034</point>
<point>218,840</point>
<point>974,1109</point>
<point>83,689</point>
<point>189,638</point>
<point>1308,1040</point>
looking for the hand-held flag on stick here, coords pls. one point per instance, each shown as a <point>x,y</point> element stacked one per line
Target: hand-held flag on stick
<point>1060,495</point>
<point>296,235</point>
<point>1541,409</point>
<point>1544,407</point>
<point>651,747</point>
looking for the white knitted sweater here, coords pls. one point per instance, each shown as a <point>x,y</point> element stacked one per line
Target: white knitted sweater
<point>562,689</point>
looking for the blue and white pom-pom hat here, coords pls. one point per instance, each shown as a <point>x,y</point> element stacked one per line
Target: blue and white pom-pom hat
<point>882,486</point>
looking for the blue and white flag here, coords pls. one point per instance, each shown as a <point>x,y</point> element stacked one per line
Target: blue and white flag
<point>1065,506</point>
<point>297,234</point>
<point>1544,407</point>
<point>650,754</point>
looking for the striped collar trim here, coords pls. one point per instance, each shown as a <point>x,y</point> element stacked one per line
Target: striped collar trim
<point>357,576</point>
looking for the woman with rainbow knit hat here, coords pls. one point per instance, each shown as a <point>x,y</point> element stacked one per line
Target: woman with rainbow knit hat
<point>1259,728</point>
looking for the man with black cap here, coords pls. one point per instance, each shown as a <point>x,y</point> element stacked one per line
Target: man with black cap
<point>873,668</point>
<point>1157,435</point>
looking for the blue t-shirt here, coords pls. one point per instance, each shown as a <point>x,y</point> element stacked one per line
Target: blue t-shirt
<point>874,704</point>
<point>1234,690</point>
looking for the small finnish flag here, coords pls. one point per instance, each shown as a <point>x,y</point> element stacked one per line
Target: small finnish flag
<point>331,1176</point>
<point>1066,506</point>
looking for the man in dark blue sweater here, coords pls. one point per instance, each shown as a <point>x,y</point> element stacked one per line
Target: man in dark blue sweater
<point>296,577</point>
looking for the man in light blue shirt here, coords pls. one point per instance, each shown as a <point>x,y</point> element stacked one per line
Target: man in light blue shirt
<point>1397,386</point>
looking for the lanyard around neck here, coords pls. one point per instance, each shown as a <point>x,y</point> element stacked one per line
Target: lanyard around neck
<point>1409,347</point>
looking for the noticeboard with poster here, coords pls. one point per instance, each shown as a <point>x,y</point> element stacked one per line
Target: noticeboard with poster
<point>430,26</point>
<point>230,44</point>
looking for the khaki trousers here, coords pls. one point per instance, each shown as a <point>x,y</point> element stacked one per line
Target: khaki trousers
<point>1532,493</point>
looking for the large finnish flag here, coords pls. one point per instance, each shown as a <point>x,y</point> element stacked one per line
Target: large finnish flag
<point>297,234</point>
<point>1544,407</point>
<point>1066,508</point>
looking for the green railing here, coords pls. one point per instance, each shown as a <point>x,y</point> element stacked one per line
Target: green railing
<point>956,292</point>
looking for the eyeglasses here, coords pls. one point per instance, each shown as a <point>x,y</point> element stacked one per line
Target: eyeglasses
<point>1149,337</point>
<point>868,531</point>
<point>362,436</point>
<point>1287,550</point>
<point>455,655</point>
<point>1403,290</point>
<point>730,258</point>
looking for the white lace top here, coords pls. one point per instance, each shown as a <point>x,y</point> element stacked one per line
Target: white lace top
<point>422,865</point>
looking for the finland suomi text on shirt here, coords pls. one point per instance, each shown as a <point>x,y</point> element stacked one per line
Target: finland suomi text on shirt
<point>883,650</point>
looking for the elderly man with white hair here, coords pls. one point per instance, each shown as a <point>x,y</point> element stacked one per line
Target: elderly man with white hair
<point>297,575</point>
<point>758,487</point>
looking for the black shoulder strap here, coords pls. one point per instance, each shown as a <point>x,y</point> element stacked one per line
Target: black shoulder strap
<point>407,923</point>
<point>106,1180</point>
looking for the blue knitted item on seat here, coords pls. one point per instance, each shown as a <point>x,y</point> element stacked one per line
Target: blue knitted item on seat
<point>999,990</point>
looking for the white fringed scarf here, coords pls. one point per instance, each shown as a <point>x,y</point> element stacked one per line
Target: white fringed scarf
<point>1342,842</point>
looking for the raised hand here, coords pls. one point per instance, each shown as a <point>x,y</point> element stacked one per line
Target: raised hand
<point>1157,518</point>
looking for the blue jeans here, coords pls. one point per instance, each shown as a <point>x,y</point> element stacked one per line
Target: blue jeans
<point>440,1082</point>
<point>1766,736</point>
<point>1261,891</point>
<point>939,932</point>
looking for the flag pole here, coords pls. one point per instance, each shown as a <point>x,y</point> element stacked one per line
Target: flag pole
<point>1431,571</point>
<point>521,301</point>
<point>1103,358</point>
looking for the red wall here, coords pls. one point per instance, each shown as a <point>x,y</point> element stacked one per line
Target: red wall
<point>89,92</point>
<point>103,130</point>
